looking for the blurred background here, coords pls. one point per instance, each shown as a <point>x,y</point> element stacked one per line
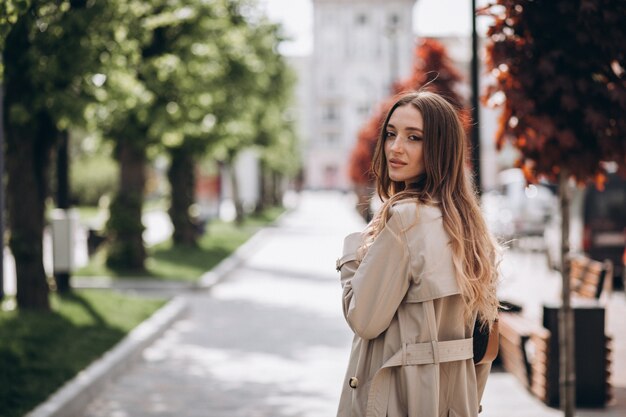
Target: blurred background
<point>144,141</point>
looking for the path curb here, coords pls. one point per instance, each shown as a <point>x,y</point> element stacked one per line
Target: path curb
<point>71,399</point>
<point>227,265</point>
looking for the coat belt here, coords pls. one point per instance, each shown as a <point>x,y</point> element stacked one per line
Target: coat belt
<point>413,354</point>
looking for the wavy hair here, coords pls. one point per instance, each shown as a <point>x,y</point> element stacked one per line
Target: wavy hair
<point>447,183</point>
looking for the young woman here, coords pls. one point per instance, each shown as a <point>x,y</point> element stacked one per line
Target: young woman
<point>420,275</point>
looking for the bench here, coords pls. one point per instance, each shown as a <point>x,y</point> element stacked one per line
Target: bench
<point>528,352</point>
<point>590,279</point>
<point>523,345</point>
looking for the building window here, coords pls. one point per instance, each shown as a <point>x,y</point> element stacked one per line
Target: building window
<point>330,112</point>
<point>330,83</point>
<point>330,176</point>
<point>363,109</point>
<point>332,139</point>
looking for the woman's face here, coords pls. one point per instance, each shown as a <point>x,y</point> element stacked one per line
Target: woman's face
<point>404,144</point>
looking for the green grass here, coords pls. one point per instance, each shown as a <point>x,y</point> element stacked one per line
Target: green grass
<point>168,262</point>
<point>88,213</point>
<point>40,351</point>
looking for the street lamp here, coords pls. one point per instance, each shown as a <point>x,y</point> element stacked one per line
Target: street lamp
<point>475,103</point>
<point>1,194</point>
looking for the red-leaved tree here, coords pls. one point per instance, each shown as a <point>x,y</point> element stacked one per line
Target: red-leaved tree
<point>434,71</point>
<point>559,75</point>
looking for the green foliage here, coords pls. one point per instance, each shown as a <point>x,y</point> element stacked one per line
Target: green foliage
<point>60,43</point>
<point>560,79</point>
<point>253,109</point>
<point>91,177</point>
<point>10,10</point>
<point>40,351</point>
<point>160,75</point>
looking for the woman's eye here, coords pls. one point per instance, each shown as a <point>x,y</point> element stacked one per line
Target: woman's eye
<point>389,134</point>
<point>415,138</point>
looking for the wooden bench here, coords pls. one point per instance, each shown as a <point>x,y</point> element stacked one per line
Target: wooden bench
<point>590,279</point>
<point>526,352</point>
<point>521,344</point>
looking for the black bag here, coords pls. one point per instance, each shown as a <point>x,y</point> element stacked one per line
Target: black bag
<point>486,342</point>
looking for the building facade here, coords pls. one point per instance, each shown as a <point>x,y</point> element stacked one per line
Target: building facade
<point>360,48</point>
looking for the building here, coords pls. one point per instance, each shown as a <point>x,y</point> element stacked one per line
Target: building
<point>360,48</point>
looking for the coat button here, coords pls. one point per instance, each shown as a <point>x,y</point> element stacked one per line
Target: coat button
<point>354,382</point>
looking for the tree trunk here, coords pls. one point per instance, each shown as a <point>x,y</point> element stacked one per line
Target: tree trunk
<point>28,158</point>
<point>182,179</point>
<point>262,202</point>
<point>2,192</point>
<point>567,372</point>
<point>126,250</point>
<point>63,198</point>
<point>29,138</point>
<point>277,192</point>
<point>234,185</point>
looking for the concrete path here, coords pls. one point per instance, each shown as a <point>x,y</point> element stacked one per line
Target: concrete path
<point>270,341</point>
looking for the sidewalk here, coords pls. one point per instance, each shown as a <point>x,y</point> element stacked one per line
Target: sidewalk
<point>271,340</point>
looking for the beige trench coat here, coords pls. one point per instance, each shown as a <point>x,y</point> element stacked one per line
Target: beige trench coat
<point>412,352</point>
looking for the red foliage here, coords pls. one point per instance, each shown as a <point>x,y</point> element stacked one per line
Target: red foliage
<point>560,66</point>
<point>433,71</point>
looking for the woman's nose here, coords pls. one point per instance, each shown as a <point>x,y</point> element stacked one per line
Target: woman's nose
<point>396,145</point>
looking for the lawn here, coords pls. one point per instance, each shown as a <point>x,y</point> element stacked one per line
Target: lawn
<point>40,351</point>
<point>169,262</point>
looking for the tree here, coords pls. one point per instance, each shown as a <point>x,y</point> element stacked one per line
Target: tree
<point>184,72</point>
<point>251,112</point>
<point>434,71</point>
<point>10,11</point>
<point>49,55</point>
<point>156,114</point>
<point>559,78</point>
<point>275,130</point>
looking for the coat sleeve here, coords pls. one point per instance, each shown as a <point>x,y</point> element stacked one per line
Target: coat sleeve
<point>373,292</point>
<point>348,262</point>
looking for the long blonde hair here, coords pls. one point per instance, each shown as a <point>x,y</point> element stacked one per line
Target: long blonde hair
<point>447,183</point>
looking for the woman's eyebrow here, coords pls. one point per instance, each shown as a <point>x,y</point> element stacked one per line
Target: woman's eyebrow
<point>415,129</point>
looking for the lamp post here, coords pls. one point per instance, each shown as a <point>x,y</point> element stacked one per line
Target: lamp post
<point>475,104</point>
<point>1,193</point>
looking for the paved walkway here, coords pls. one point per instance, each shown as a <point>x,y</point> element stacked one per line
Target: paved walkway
<point>270,341</point>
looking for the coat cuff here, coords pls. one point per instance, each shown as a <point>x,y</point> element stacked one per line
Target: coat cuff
<point>345,259</point>
<point>351,244</point>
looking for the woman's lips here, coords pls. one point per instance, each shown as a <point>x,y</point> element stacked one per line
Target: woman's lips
<point>395,163</point>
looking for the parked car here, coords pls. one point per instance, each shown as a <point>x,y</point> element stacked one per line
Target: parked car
<point>515,209</point>
<point>597,226</point>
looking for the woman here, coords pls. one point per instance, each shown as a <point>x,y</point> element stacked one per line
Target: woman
<point>420,275</point>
